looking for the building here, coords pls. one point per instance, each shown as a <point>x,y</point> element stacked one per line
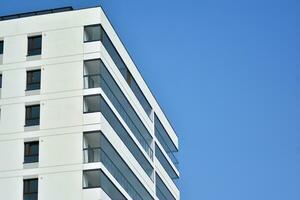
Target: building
<point>78,121</point>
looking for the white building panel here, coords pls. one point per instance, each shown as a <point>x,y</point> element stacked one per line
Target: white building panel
<point>64,112</point>
<point>15,79</point>
<point>15,48</point>
<point>60,150</point>
<point>12,118</point>
<point>14,159</point>
<point>61,186</point>
<point>62,77</point>
<point>11,188</point>
<point>56,41</point>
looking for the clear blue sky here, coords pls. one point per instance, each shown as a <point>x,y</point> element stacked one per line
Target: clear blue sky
<point>227,73</point>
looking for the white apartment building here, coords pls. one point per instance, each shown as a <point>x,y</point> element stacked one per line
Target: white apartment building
<point>78,121</point>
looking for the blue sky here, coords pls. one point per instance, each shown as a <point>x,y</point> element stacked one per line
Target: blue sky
<point>227,74</point>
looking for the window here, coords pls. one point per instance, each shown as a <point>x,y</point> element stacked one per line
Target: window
<point>31,152</point>
<point>0,80</point>
<point>34,45</point>
<point>1,47</point>
<point>97,179</point>
<point>32,117</point>
<point>92,33</point>
<point>30,189</point>
<point>91,103</point>
<point>33,80</point>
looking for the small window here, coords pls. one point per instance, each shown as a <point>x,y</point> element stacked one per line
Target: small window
<point>91,103</point>
<point>32,117</point>
<point>30,189</point>
<point>31,152</point>
<point>1,47</point>
<point>0,80</point>
<point>34,45</point>
<point>92,33</point>
<point>33,80</point>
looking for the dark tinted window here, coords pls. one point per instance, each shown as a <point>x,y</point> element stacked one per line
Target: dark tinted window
<point>34,45</point>
<point>33,80</point>
<point>0,80</point>
<point>92,33</point>
<point>30,189</point>
<point>91,104</point>
<point>1,47</point>
<point>32,115</point>
<point>31,152</point>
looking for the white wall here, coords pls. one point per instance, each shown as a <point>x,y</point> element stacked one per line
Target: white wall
<point>65,112</point>
<point>11,189</point>
<point>60,130</point>
<point>61,186</point>
<point>58,150</point>
<point>11,154</point>
<point>62,77</point>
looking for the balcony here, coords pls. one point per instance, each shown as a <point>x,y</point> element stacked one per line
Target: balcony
<point>162,191</point>
<point>164,139</point>
<point>98,149</point>
<point>93,79</point>
<point>97,185</point>
<point>96,103</point>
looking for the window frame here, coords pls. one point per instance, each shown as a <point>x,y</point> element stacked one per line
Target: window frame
<point>33,82</point>
<point>89,26</point>
<point>26,155</point>
<point>31,51</point>
<point>30,193</point>
<point>33,118</point>
<point>91,95</point>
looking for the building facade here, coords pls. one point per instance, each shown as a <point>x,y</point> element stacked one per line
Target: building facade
<point>78,121</point>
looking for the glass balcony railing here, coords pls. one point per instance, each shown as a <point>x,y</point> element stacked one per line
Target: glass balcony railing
<point>91,155</point>
<point>164,139</point>
<point>171,154</point>
<point>96,103</point>
<point>162,191</point>
<point>98,155</point>
<point>96,178</point>
<point>123,107</point>
<point>91,81</point>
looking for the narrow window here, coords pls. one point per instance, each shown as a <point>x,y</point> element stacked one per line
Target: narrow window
<point>34,45</point>
<point>33,80</point>
<point>0,80</point>
<point>92,33</point>
<point>31,152</point>
<point>32,117</point>
<point>1,47</point>
<point>30,189</point>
